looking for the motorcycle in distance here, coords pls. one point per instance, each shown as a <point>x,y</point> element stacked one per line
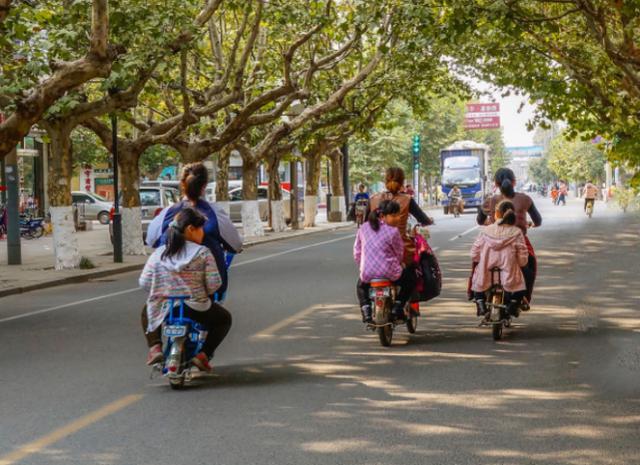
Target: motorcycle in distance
<point>382,294</point>
<point>361,210</point>
<point>31,228</point>
<point>182,339</point>
<point>455,206</point>
<point>589,209</point>
<point>497,315</point>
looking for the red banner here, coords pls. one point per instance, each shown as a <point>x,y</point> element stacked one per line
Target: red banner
<point>482,116</point>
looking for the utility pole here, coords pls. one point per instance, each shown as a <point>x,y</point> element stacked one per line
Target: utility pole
<point>117,218</point>
<point>14,253</point>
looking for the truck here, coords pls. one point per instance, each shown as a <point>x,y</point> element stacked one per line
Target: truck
<point>466,164</point>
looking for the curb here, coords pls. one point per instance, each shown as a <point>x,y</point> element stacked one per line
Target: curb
<point>138,266</point>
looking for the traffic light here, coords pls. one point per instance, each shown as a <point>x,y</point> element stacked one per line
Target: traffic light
<point>416,145</point>
<point>416,152</point>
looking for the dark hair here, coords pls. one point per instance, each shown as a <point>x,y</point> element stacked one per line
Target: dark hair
<point>361,186</point>
<point>175,232</point>
<point>504,180</point>
<point>508,212</point>
<point>194,179</point>
<point>386,207</point>
<point>394,179</point>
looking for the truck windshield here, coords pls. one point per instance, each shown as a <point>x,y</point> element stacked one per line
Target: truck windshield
<point>462,177</point>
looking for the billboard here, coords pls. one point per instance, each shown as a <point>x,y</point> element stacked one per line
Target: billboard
<point>482,116</point>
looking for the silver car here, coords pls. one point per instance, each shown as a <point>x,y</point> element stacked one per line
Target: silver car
<point>235,204</point>
<point>152,201</point>
<point>91,206</point>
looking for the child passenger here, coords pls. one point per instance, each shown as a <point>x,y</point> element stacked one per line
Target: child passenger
<point>378,251</point>
<point>185,267</point>
<point>500,245</point>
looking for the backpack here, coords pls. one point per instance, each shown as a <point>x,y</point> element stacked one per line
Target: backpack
<point>428,271</point>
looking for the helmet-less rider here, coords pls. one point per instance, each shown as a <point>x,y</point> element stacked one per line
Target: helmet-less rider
<point>505,180</point>
<point>394,182</point>
<point>220,235</point>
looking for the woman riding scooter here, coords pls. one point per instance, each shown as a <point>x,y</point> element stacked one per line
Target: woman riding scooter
<point>394,182</point>
<point>220,236</point>
<point>505,180</point>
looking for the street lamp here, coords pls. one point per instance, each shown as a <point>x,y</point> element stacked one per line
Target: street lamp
<point>117,218</point>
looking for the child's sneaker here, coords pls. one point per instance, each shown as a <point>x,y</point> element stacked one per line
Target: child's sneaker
<point>155,355</point>
<point>201,361</point>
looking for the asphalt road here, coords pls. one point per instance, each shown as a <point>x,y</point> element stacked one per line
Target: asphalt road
<point>299,381</point>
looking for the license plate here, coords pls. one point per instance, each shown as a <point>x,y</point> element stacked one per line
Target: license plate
<point>384,292</point>
<point>175,330</point>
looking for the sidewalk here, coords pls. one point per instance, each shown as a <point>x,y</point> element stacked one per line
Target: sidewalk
<point>37,271</point>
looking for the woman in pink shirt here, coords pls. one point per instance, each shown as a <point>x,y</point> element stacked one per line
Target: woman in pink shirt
<point>378,251</point>
<point>500,245</point>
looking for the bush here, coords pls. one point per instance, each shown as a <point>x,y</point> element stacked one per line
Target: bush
<point>86,264</point>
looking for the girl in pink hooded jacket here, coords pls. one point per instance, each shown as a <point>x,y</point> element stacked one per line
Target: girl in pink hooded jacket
<point>500,245</point>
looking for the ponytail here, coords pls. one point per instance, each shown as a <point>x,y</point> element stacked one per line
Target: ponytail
<point>504,179</point>
<point>194,180</point>
<point>176,239</point>
<point>374,219</point>
<point>508,212</point>
<point>386,207</point>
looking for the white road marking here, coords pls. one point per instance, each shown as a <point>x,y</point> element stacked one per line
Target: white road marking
<point>127,291</point>
<point>297,249</point>
<point>458,236</point>
<point>70,304</point>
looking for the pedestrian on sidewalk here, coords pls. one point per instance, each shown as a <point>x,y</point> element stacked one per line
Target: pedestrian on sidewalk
<point>183,266</point>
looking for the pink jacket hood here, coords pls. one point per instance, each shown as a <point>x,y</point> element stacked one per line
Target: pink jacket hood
<point>499,247</point>
<point>499,237</point>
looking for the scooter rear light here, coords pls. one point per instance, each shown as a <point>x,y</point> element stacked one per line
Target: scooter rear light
<point>173,368</point>
<point>112,213</point>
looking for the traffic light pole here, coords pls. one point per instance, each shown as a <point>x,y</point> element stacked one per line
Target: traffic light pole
<point>416,167</point>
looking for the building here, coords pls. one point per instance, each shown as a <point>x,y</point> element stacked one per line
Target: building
<point>520,158</point>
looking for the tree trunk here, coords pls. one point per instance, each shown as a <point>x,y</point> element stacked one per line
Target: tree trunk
<point>132,243</point>
<point>337,187</point>
<point>60,161</point>
<point>222,180</point>
<point>314,164</point>
<point>251,217</point>
<point>276,208</point>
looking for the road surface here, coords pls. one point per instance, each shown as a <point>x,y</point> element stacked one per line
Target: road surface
<point>299,381</point>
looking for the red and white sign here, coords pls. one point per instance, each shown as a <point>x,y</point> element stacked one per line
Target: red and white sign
<point>87,179</point>
<point>482,116</point>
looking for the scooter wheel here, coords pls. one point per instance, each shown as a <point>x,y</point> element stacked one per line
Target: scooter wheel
<point>385,334</point>
<point>497,332</point>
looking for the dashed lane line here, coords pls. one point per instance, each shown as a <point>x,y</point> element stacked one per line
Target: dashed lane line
<point>81,423</point>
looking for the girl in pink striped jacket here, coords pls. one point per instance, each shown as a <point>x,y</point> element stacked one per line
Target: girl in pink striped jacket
<point>185,267</point>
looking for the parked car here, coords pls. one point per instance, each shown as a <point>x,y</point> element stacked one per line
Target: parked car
<point>235,204</point>
<point>91,206</point>
<point>211,189</point>
<point>152,201</point>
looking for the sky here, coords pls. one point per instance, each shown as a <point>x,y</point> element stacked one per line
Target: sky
<point>514,123</point>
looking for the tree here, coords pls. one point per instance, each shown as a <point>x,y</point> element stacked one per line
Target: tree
<point>540,172</point>
<point>576,160</point>
<point>38,59</point>
<point>577,59</point>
